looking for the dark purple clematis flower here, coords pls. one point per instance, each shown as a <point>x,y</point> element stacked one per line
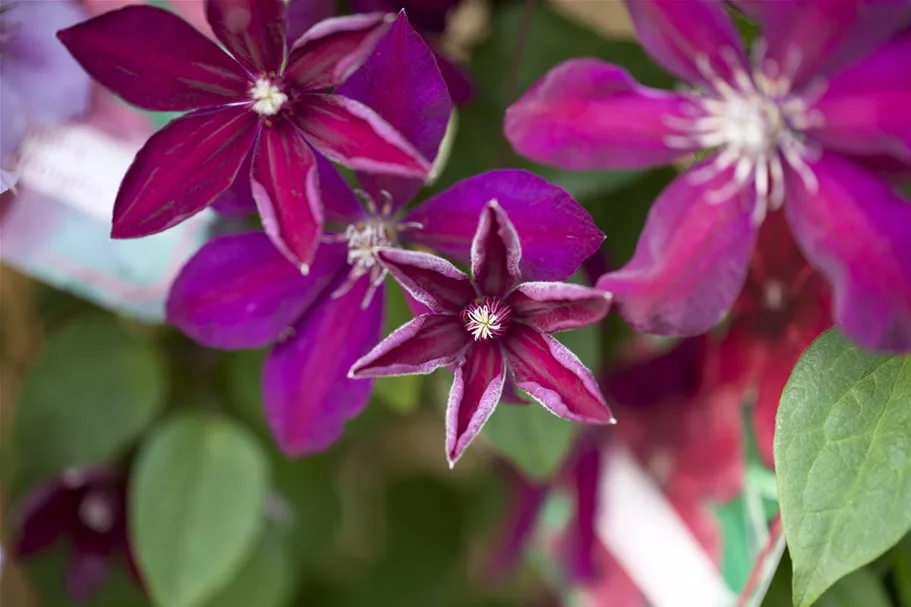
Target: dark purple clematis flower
<point>40,84</point>
<point>87,506</point>
<point>489,328</point>
<point>264,106</point>
<point>240,292</point>
<point>823,98</point>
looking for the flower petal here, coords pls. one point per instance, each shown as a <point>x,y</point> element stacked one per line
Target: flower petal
<point>239,291</point>
<point>555,306</point>
<point>431,280</point>
<point>587,114</point>
<point>124,51</point>
<point>865,107</point>
<point>401,62</point>
<point>354,136</point>
<point>237,200</point>
<point>421,346</point>
<point>458,81</point>
<point>586,477</point>
<point>182,169</point>
<point>304,14</point>
<point>331,50</point>
<point>287,193</point>
<point>495,252</point>
<point>551,250</point>
<point>252,30</point>
<point>691,260</point>
<point>307,393</point>
<point>857,231</point>
<point>340,205</point>
<point>45,514</point>
<point>475,392</point>
<point>681,34</point>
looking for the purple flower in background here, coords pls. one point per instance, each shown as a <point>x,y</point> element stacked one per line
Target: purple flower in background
<point>824,97</point>
<point>87,506</point>
<point>262,108</point>
<point>239,292</point>
<point>488,328</point>
<point>40,84</point>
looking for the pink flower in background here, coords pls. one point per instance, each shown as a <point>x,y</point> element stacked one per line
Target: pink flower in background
<point>823,99</point>
<point>263,105</point>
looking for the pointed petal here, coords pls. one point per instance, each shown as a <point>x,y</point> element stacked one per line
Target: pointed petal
<point>340,205</point>
<point>402,61</point>
<point>287,193</point>
<point>354,136</point>
<point>554,376</point>
<point>679,34</point>
<point>182,169</point>
<point>517,525</point>
<point>123,50</point>
<point>239,291</point>
<point>458,81</point>
<point>42,517</point>
<point>587,114</point>
<point>857,231</point>
<point>495,252</point>
<point>475,392</point>
<point>586,476</point>
<point>692,257</point>
<point>304,14</point>
<point>551,250</point>
<point>331,50</point>
<point>306,389</point>
<point>431,280</point>
<point>865,108</point>
<point>555,306</point>
<point>252,30</point>
<point>237,200</point>
<point>86,572</point>
<point>419,347</point>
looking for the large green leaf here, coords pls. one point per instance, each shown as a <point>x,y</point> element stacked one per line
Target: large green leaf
<point>265,580</point>
<point>196,506</point>
<point>531,437</point>
<point>843,456</point>
<point>91,393</point>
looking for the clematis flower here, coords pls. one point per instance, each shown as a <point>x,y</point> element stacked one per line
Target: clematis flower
<point>263,108</point>
<point>86,506</point>
<point>239,292</point>
<point>488,328</point>
<point>796,128</point>
<point>40,84</point>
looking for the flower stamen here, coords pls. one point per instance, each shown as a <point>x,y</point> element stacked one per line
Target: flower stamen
<point>267,97</point>
<point>487,319</point>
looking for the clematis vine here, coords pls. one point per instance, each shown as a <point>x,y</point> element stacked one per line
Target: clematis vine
<point>265,112</point>
<point>489,328</point>
<point>239,292</point>
<point>805,125</point>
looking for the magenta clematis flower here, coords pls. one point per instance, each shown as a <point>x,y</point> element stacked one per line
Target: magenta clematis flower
<point>264,107</point>
<point>490,328</point>
<point>87,506</point>
<point>240,292</point>
<point>797,128</point>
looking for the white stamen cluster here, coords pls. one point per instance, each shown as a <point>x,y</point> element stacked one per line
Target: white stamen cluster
<point>483,323</point>
<point>267,97</point>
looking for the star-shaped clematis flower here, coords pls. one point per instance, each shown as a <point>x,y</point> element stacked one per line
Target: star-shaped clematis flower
<point>799,127</point>
<point>489,328</point>
<point>260,111</point>
<point>239,292</point>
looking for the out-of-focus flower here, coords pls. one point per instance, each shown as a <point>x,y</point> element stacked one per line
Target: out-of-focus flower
<point>262,108</point>
<point>40,84</point>
<point>822,99</point>
<point>488,328</point>
<point>87,507</point>
<point>239,292</point>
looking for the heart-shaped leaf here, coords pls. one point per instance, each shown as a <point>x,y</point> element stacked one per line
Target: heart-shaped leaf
<point>531,437</point>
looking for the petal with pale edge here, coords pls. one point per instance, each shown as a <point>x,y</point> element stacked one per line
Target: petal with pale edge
<point>554,376</point>
<point>475,392</point>
<point>431,280</point>
<point>587,114</point>
<point>237,200</point>
<point>340,205</point>
<point>182,169</point>
<point>287,193</point>
<point>551,249</point>
<point>495,253</point>
<point>154,59</point>
<point>307,393</point>
<point>304,14</point>
<point>692,257</point>
<point>556,306</point>
<point>857,231</point>
<point>239,291</point>
<point>252,30</point>
<point>418,347</point>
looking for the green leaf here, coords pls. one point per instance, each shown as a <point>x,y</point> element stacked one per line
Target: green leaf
<point>91,393</point>
<point>265,580</point>
<point>241,374</point>
<point>843,456</point>
<point>858,589</point>
<point>47,574</point>
<point>196,506</point>
<point>531,437</point>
